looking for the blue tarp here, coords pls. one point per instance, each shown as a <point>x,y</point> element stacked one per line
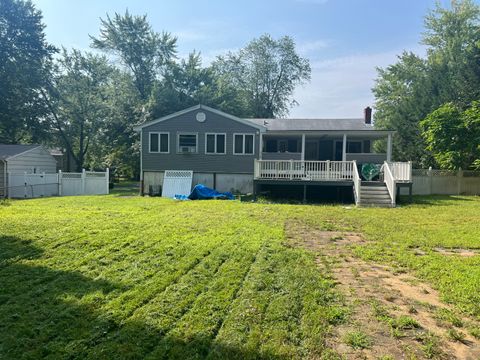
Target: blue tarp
<point>201,192</point>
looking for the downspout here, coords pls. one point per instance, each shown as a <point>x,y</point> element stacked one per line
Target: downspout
<point>4,178</point>
<point>141,162</point>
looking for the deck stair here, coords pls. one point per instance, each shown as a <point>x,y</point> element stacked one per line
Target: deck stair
<point>374,194</point>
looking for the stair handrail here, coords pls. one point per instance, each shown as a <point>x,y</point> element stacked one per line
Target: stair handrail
<point>357,182</point>
<point>389,181</point>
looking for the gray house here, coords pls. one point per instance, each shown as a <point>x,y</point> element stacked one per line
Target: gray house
<point>233,154</point>
<point>23,158</point>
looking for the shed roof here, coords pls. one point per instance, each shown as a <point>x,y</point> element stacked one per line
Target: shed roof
<point>355,124</point>
<point>7,150</point>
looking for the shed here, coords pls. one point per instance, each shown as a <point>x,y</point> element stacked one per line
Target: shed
<point>24,158</point>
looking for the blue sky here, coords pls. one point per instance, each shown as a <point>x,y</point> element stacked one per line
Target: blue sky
<point>343,39</point>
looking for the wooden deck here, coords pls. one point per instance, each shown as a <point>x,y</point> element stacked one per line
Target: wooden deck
<point>328,173</point>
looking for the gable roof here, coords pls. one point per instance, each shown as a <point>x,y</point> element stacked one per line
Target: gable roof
<point>355,124</point>
<point>203,107</point>
<point>8,151</point>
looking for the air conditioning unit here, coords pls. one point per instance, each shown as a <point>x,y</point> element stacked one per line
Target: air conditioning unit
<point>187,149</point>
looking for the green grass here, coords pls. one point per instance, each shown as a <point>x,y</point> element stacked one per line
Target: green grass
<point>357,340</point>
<point>129,277</point>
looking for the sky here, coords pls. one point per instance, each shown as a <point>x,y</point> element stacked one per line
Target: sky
<point>345,40</point>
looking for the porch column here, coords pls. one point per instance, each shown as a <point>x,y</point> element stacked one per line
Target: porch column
<point>260,145</point>
<point>389,148</point>
<point>344,148</point>
<point>303,147</point>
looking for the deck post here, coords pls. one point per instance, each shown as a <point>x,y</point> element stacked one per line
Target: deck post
<point>344,148</point>
<point>304,194</point>
<point>260,146</point>
<point>389,148</point>
<point>303,147</point>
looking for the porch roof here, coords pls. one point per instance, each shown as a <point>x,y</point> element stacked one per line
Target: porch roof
<point>323,125</point>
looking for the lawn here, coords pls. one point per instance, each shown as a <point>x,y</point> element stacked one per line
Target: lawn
<point>116,277</point>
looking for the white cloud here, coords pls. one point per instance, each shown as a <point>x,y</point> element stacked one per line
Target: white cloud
<point>341,87</point>
<point>190,35</point>
<point>311,47</point>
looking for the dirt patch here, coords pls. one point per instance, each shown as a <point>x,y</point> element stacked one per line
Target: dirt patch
<point>457,251</point>
<point>369,287</point>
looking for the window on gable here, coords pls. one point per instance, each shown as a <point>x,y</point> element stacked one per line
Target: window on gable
<point>215,143</point>
<point>243,144</point>
<point>159,142</point>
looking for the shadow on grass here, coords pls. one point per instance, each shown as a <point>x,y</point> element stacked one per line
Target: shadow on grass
<point>443,200</point>
<point>57,314</point>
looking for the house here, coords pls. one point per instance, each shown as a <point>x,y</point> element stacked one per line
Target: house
<point>234,154</point>
<point>23,158</point>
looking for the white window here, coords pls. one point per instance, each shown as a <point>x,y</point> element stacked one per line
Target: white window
<point>159,142</point>
<point>187,143</point>
<point>215,143</point>
<point>243,144</point>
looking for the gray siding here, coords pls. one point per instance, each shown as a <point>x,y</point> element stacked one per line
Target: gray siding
<point>199,162</point>
<point>38,159</point>
<point>2,179</point>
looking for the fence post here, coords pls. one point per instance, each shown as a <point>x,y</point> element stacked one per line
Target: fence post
<point>107,179</point>
<point>459,181</point>
<point>84,178</point>
<point>429,177</point>
<point>59,180</point>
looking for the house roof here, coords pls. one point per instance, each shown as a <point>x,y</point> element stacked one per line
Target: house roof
<point>314,124</point>
<point>199,107</point>
<point>7,151</point>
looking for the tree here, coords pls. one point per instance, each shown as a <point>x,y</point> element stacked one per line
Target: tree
<point>453,135</point>
<point>118,143</point>
<point>25,59</point>
<point>187,83</point>
<point>402,93</point>
<point>143,51</point>
<point>453,39</point>
<point>265,73</point>
<point>78,102</point>
<point>408,91</point>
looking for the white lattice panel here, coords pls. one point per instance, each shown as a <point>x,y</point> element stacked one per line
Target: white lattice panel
<point>177,182</point>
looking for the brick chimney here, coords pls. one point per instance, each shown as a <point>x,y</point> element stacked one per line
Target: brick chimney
<point>368,115</point>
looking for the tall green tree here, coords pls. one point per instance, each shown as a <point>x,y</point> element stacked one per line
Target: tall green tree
<point>186,83</point>
<point>402,92</point>
<point>265,73</point>
<point>453,135</point>
<point>142,50</point>
<point>118,143</point>
<point>78,104</point>
<point>25,59</point>
<point>408,91</point>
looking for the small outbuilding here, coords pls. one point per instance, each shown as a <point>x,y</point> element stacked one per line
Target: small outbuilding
<point>24,158</point>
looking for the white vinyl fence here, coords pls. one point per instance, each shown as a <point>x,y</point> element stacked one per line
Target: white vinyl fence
<point>444,182</point>
<point>24,185</point>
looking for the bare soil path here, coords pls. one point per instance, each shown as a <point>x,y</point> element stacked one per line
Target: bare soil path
<point>393,315</point>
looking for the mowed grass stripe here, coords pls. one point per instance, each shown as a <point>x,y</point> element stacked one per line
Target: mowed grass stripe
<point>193,334</point>
<point>162,311</point>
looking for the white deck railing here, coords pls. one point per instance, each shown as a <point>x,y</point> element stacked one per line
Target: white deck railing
<point>304,170</point>
<point>390,181</point>
<point>401,171</point>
